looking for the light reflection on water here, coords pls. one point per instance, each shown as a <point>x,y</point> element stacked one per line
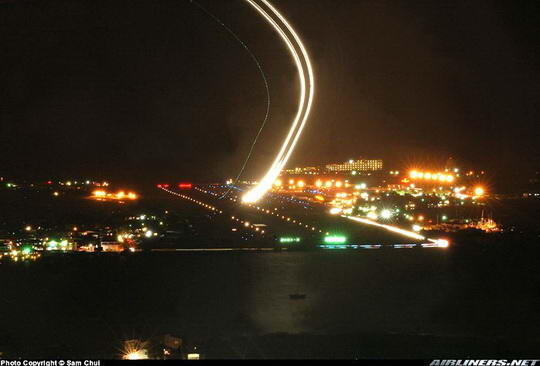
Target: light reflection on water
<point>347,292</point>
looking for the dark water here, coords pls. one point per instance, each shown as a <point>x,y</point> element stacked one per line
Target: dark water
<point>84,305</point>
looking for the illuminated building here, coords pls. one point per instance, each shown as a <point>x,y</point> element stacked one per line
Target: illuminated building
<point>356,165</point>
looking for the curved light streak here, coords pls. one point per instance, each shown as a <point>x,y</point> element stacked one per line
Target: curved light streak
<point>266,86</point>
<point>307,90</point>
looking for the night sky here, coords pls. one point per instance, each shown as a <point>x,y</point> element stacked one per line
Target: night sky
<point>154,90</point>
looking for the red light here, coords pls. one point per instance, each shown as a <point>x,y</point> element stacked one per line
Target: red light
<point>185,185</point>
<point>159,185</point>
<point>49,182</point>
<point>166,185</point>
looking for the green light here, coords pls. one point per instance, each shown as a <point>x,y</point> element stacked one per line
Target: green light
<point>289,240</point>
<point>335,239</point>
<point>64,243</point>
<point>26,250</point>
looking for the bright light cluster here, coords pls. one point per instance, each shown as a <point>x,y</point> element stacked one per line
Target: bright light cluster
<point>102,195</point>
<point>429,176</point>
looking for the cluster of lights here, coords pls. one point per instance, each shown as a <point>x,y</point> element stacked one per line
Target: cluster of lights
<point>59,245</point>
<point>330,183</point>
<point>284,218</point>
<point>24,254</point>
<point>431,244</point>
<point>272,212</point>
<point>289,240</point>
<point>435,177</point>
<point>292,183</point>
<point>247,225</point>
<point>103,195</point>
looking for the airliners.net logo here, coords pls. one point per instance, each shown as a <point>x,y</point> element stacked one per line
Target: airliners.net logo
<point>484,363</point>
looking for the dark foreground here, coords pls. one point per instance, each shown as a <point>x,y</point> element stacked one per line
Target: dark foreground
<point>398,303</point>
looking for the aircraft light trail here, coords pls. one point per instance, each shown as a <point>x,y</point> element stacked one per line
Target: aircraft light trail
<point>307,90</point>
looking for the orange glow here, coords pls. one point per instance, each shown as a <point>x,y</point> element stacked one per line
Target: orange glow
<point>102,195</point>
<point>479,191</point>
<point>441,177</point>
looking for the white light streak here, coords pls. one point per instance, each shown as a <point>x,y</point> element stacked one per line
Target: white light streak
<point>307,90</point>
<point>394,229</point>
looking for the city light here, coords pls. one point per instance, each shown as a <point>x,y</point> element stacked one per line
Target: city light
<point>135,350</point>
<point>429,176</point>
<point>386,214</point>
<point>479,191</point>
<point>103,195</point>
<point>335,210</point>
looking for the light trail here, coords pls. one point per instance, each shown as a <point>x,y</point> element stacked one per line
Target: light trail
<point>438,243</point>
<point>266,86</point>
<point>394,229</point>
<point>307,90</point>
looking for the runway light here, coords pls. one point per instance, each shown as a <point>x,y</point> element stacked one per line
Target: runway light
<point>335,239</point>
<point>289,240</point>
